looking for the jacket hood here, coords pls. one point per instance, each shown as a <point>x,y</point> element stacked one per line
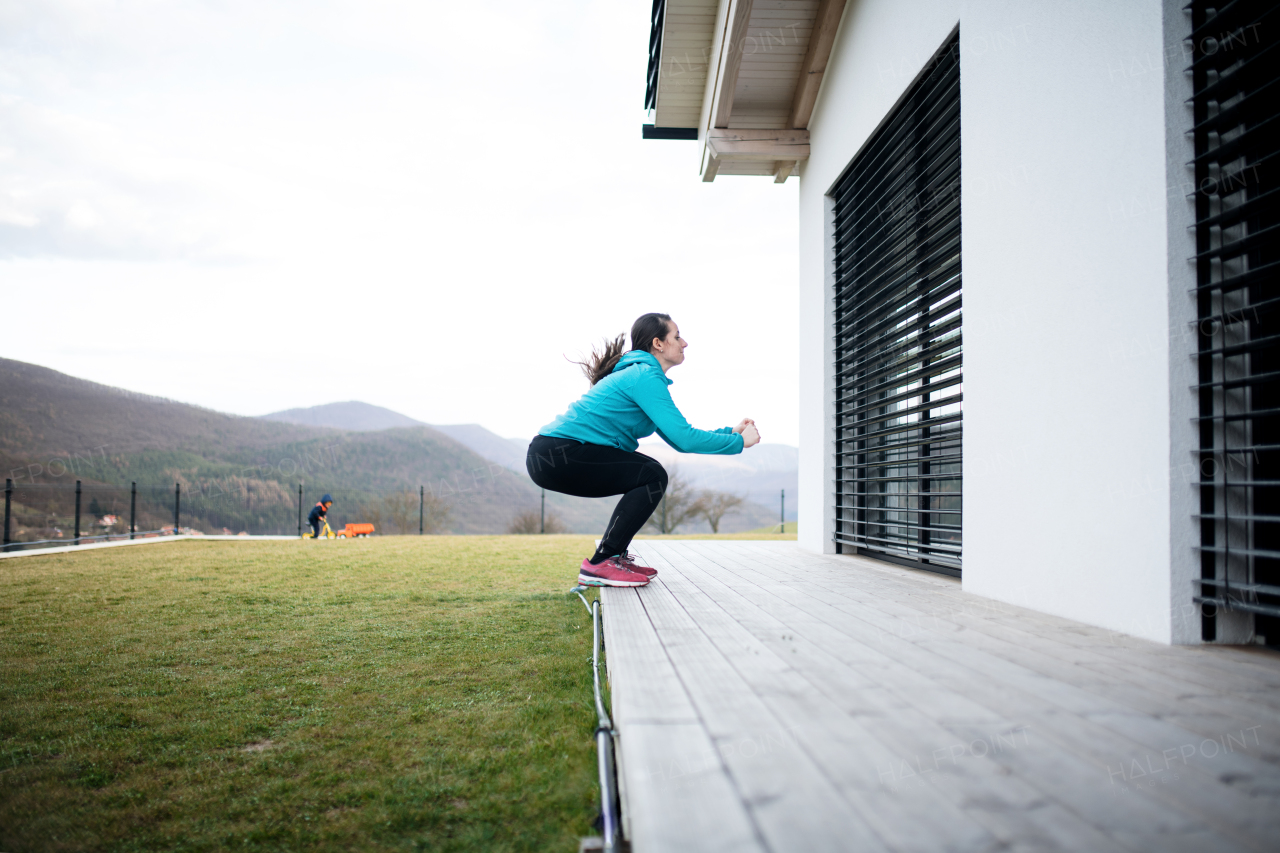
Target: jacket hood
<point>634,357</point>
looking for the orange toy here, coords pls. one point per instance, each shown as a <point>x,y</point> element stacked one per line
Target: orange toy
<point>351,531</point>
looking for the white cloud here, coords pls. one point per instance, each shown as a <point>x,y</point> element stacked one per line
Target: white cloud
<point>441,198</point>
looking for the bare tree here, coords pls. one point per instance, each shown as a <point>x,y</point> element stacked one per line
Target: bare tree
<point>435,514</point>
<point>402,508</point>
<point>680,505</point>
<point>531,522</point>
<point>373,514</point>
<point>716,505</point>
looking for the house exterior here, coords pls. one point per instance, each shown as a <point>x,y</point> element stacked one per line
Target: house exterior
<point>1038,284</point>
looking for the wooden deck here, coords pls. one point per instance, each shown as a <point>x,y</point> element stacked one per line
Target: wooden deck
<point>767,699</point>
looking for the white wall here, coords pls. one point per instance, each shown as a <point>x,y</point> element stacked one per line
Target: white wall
<point>1066,350</point>
<point>881,46</point>
<point>1068,379</point>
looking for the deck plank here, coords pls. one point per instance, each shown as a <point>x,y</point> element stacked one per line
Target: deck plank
<point>1206,710</point>
<point>1221,668</point>
<point>1092,733</point>
<point>784,686</point>
<point>850,756</point>
<point>1128,681</point>
<point>923,757</point>
<point>680,796</point>
<point>642,681</point>
<point>789,799</point>
<point>672,786</point>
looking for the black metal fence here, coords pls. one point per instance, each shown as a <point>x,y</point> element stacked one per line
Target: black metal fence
<point>45,515</point>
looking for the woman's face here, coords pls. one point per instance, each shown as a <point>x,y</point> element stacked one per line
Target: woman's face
<point>670,349</point>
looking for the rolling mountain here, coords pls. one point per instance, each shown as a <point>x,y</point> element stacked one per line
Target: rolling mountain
<point>360,417</point>
<point>509,452</point>
<point>242,473</point>
<point>47,413</point>
<point>352,415</point>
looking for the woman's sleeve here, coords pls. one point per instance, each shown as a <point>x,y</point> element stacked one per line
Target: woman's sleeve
<point>652,396</point>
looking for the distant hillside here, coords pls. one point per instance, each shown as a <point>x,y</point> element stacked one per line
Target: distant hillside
<point>47,413</point>
<point>509,452</point>
<point>55,429</point>
<point>362,417</point>
<point>352,415</point>
<point>241,473</point>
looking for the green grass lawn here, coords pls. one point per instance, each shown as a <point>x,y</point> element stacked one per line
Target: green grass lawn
<point>386,693</point>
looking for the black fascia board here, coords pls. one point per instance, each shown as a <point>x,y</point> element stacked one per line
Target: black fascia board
<point>651,132</point>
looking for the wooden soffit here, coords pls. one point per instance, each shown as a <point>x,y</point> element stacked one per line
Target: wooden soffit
<point>745,65</point>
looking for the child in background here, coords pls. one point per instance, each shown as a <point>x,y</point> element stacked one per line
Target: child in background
<point>318,513</point>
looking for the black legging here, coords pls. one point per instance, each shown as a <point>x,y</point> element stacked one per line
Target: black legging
<point>595,471</point>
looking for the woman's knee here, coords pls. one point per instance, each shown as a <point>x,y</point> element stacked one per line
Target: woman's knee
<point>656,478</point>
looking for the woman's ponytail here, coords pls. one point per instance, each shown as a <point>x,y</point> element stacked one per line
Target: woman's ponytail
<point>643,331</point>
<point>602,362</point>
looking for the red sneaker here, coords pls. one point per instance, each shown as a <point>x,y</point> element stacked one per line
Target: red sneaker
<point>629,563</point>
<point>608,573</point>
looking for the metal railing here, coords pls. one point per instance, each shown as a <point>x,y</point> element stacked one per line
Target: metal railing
<point>40,515</point>
<point>609,820</point>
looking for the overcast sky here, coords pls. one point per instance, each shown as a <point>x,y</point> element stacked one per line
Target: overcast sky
<point>259,205</point>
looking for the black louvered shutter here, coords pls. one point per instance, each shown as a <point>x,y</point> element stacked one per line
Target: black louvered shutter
<point>1235,69</point>
<point>897,330</point>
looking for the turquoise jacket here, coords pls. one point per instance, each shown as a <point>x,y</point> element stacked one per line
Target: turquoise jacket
<point>632,403</point>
